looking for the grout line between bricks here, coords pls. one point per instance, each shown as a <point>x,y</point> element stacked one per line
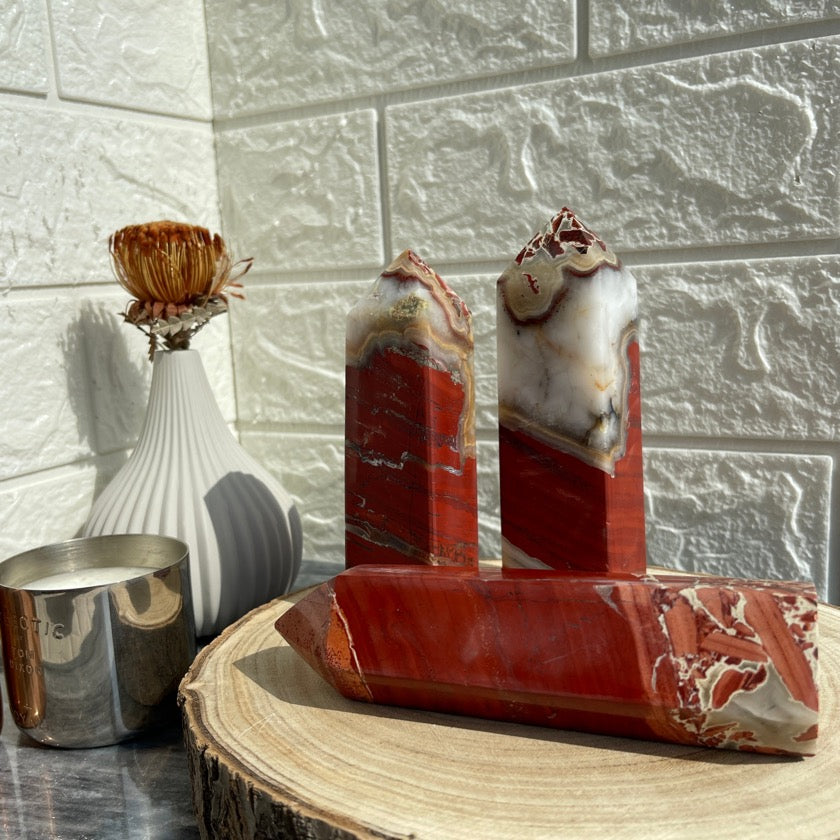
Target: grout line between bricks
<point>50,59</point>
<point>39,96</point>
<point>833,542</point>
<point>327,430</point>
<point>384,191</point>
<point>716,253</point>
<point>582,34</point>
<point>104,111</point>
<point>758,445</point>
<point>334,431</point>
<point>54,473</point>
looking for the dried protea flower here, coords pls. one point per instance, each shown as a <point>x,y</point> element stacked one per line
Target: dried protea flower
<point>179,276</point>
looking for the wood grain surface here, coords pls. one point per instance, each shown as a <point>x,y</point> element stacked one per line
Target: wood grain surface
<point>276,752</point>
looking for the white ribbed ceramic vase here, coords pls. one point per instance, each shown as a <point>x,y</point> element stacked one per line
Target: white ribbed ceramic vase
<point>188,477</point>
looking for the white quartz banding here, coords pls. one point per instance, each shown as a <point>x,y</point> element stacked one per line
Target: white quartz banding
<point>411,310</point>
<point>565,320</point>
<point>410,302</point>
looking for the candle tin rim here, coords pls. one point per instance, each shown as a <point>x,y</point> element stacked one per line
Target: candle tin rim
<point>43,560</point>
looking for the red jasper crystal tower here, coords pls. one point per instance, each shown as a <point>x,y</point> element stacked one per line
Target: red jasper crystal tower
<point>570,439</point>
<point>410,472</point>
<point>571,632</point>
<point>713,662</point>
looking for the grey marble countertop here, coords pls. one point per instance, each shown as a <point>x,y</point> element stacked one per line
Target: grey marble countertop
<point>135,790</point>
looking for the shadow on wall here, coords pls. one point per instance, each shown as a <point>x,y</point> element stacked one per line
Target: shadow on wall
<point>111,404</point>
<point>264,540</point>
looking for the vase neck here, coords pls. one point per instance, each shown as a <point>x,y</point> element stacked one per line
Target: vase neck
<point>179,378</point>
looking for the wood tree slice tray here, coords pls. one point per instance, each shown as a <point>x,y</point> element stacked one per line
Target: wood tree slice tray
<point>276,752</point>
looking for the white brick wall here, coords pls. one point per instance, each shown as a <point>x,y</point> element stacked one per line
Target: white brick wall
<point>266,174</point>
<point>703,147</point>
<point>269,56</point>
<point>144,56</point>
<point>87,145</point>
<point>729,148</point>
<point>615,29</point>
<point>22,47</point>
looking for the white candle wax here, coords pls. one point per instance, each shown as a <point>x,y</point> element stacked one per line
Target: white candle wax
<point>81,578</point>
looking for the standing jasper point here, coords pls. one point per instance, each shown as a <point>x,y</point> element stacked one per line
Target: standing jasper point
<point>570,447</point>
<point>410,471</point>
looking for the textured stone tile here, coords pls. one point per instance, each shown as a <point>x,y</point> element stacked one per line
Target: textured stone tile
<point>741,514</point>
<point>22,54</point>
<point>76,380</point>
<point>331,51</point>
<point>489,507</point>
<point>730,148</point>
<point>57,210</point>
<point>303,194</point>
<point>111,375</point>
<point>147,56</point>
<point>311,469</point>
<point>619,28</point>
<point>288,345</point>
<point>49,508</point>
<point>742,349</point>
<point>289,349</point>
<point>45,415</point>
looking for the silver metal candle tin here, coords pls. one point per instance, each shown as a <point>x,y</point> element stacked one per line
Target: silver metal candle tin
<point>91,665</point>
